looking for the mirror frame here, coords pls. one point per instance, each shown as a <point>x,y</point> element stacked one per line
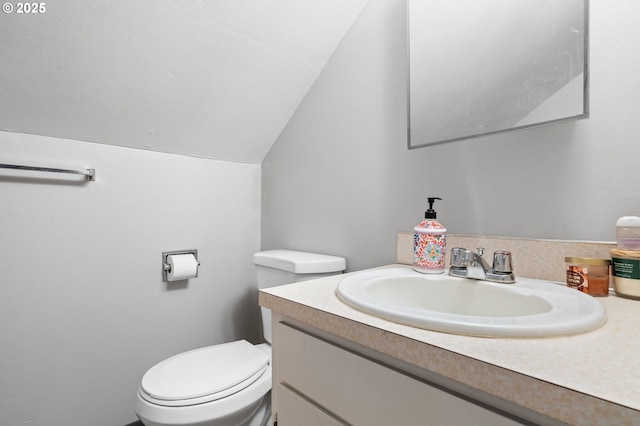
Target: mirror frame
<point>583,115</point>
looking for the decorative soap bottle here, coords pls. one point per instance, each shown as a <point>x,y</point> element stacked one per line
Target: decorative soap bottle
<point>429,243</point>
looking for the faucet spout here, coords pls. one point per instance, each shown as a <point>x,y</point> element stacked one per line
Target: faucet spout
<point>478,268</point>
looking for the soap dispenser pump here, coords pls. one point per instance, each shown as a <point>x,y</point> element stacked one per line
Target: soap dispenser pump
<point>429,243</point>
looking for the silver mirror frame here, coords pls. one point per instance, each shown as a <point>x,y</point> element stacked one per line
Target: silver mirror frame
<point>583,115</point>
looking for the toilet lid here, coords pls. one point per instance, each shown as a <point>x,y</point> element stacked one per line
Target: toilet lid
<point>205,372</point>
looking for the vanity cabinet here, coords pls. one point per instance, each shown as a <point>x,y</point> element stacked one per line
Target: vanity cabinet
<point>319,383</point>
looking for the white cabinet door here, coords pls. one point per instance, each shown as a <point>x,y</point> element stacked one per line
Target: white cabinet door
<point>296,411</point>
<point>363,392</point>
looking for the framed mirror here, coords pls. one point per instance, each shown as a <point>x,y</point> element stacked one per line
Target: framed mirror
<point>490,66</point>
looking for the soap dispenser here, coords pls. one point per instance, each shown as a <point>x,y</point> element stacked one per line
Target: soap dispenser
<point>429,243</point>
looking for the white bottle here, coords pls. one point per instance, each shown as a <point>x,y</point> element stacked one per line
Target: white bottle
<point>429,243</point>
<point>628,233</point>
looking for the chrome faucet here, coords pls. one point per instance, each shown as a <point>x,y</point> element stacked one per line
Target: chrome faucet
<point>467,264</point>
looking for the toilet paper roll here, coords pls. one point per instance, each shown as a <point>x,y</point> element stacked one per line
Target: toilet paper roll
<point>183,267</point>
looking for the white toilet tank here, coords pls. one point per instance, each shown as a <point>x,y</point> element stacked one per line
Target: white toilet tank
<point>279,267</point>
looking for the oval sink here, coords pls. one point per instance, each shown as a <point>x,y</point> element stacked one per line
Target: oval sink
<point>528,308</point>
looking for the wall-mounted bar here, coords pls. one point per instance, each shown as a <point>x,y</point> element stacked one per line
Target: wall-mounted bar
<point>89,173</point>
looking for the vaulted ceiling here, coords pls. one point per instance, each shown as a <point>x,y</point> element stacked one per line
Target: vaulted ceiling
<point>216,79</point>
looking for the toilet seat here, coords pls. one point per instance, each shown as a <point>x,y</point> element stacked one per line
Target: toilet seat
<point>204,375</point>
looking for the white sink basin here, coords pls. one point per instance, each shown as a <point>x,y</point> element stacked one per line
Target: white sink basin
<point>528,308</point>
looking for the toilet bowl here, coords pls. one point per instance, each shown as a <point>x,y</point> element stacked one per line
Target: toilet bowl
<point>227,384</point>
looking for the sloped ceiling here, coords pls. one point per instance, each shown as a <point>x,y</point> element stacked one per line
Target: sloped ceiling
<point>217,79</point>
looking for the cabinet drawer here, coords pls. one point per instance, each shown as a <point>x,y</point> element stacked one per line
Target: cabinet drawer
<point>363,392</point>
<point>294,410</point>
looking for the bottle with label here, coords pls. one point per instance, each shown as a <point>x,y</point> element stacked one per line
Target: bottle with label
<point>628,233</point>
<point>429,243</point>
<point>625,258</point>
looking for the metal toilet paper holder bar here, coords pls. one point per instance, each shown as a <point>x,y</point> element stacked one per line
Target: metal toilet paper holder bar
<point>166,268</point>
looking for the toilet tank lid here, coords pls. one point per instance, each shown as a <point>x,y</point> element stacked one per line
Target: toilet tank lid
<point>300,262</point>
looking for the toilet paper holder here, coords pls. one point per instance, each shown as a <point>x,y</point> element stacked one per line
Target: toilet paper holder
<point>166,268</point>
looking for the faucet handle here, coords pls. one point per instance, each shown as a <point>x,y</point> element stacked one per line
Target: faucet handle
<point>461,257</point>
<point>502,262</point>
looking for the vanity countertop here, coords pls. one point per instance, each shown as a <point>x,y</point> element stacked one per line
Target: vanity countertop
<point>582,379</point>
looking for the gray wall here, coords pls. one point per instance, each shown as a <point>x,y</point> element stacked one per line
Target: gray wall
<point>83,309</point>
<point>341,180</point>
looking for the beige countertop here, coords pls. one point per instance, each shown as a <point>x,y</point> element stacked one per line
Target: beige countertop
<point>592,378</point>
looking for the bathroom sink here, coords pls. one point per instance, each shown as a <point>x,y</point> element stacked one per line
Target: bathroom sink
<point>527,308</point>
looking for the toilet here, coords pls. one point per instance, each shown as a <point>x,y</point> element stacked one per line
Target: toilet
<point>227,384</point>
